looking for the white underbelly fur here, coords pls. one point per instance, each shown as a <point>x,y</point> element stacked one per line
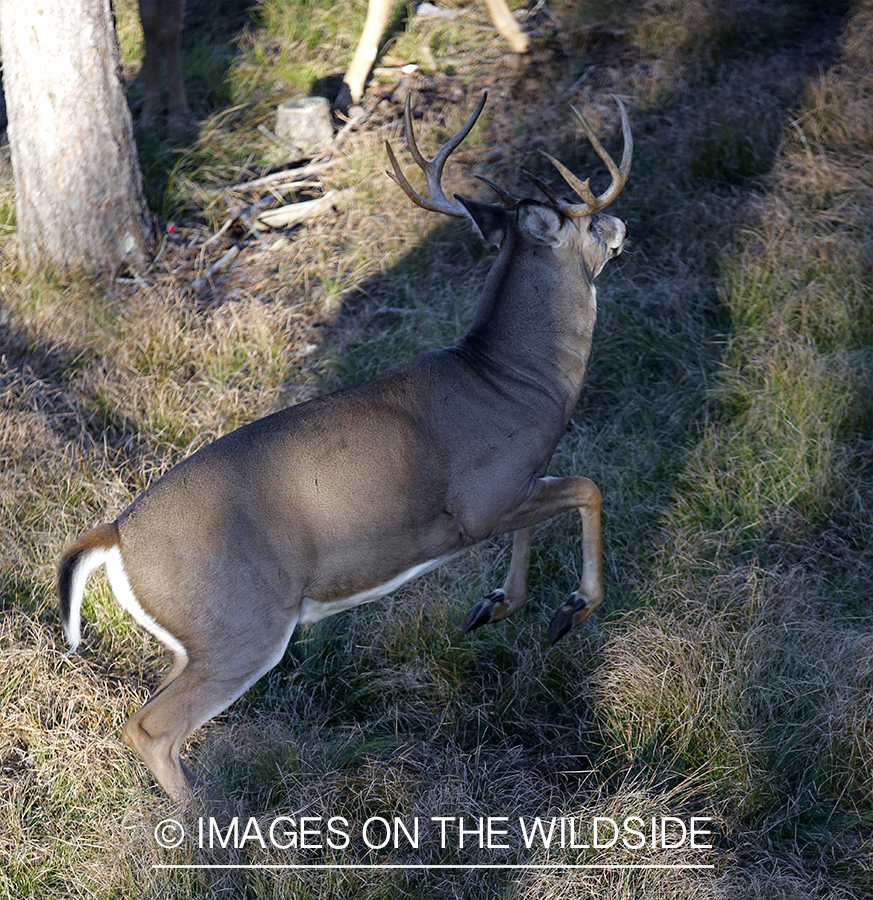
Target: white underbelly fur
<point>313,611</point>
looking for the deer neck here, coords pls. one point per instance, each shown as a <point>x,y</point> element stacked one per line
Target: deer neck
<point>535,321</point>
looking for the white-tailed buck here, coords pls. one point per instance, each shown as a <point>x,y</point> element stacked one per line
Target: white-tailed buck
<point>342,499</point>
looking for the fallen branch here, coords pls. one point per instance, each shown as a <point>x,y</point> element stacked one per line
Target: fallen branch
<point>276,180</point>
<point>218,266</point>
<point>294,213</point>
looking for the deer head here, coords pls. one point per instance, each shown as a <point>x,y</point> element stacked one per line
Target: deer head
<point>543,228</point>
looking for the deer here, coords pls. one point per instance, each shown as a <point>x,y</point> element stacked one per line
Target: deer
<point>378,11</point>
<point>162,27</point>
<point>339,500</point>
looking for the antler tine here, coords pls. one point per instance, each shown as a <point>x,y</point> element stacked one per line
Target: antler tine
<point>433,169</point>
<point>582,188</point>
<point>509,200</point>
<point>538,183</point>
<point>619,174</point>
<point>407,188</point>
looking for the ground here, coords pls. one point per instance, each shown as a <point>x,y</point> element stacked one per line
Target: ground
<point>727,676</point>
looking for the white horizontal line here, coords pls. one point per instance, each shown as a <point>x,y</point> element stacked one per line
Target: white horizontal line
<point>554,866</point>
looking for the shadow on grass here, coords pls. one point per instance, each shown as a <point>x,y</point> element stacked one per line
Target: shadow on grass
<point>700,154</point>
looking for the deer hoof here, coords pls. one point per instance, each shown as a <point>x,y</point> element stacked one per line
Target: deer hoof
<point>483,612</point>
<point>569,614</point>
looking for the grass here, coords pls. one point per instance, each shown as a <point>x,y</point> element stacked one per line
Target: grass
<point>726,419</point>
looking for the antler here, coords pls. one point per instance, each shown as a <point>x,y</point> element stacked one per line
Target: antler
<point>433,169</point>
<point>591,204</point>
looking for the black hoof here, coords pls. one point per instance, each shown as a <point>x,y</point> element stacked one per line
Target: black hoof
<point>481,613</point>
<point>563,620</point>
<point>343,100</point>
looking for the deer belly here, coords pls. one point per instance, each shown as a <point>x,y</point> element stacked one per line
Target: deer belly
<point>316,610</point>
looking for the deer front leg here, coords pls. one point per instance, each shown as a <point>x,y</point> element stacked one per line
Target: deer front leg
<point>172,37</point>
<point>551,497</point>
<point>589,595</point>
<point>149,14</point>
<point>502,603</point>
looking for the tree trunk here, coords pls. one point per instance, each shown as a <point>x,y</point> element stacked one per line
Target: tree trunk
<point>79,194</point>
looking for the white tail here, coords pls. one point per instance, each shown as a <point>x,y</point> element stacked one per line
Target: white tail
<point>339,500</point>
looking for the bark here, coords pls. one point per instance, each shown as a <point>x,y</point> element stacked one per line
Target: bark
<point>79,194</point>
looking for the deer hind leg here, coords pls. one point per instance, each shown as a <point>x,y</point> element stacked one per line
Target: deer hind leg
<point>194,692</point>
<point>365,55</point>
<point>172,39</point>
<point>550,497</point>
<point>506,26</point>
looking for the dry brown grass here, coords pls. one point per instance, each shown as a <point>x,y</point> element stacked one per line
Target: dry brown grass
<point>726,420</point>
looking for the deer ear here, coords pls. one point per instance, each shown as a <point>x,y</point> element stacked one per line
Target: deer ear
<point>540,224</point>
<point>490,221</point>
